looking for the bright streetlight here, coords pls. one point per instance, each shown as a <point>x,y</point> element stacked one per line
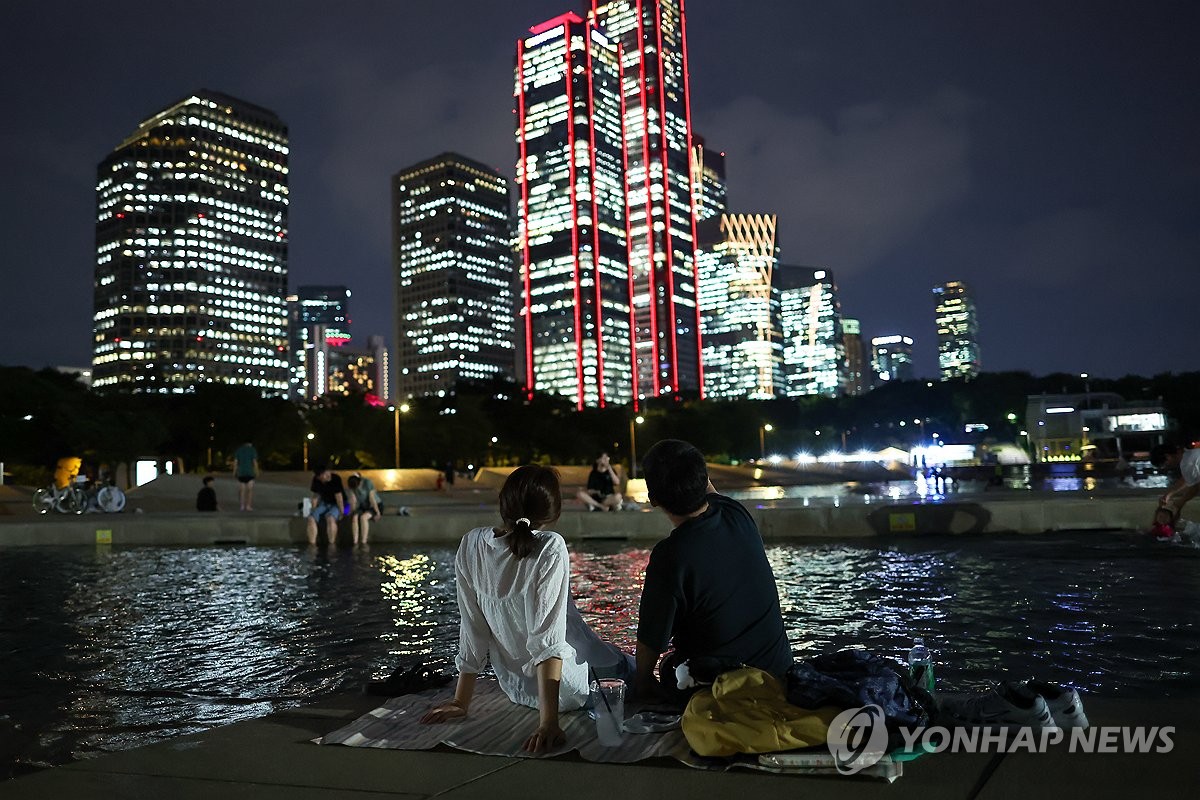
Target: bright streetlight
<point>308,438</point>
<point>639,419</point>
<point>396,412</point>
<point>762,439</point>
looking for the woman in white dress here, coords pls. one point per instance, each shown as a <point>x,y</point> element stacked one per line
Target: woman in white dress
<point>514,599</point>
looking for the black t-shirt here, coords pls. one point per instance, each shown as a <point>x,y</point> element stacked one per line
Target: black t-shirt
<point>206,499</point>
<point>328,490</point>
<point>710,590</point>
<point>600,483</point>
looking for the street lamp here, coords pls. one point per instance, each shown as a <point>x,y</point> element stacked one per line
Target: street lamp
<point>762,439</point>
<point>639,419</point>
<point>308,438</point>
<point>396,412</point>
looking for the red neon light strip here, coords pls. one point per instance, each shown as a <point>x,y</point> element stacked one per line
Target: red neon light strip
<point>653,286</point>
<point>525,219</point>
<point>561,19</point>
<point>599,311</point>
<point>672,343</point>
<point>628,236</point>
<point>574,218</point>
<point>687,107</point>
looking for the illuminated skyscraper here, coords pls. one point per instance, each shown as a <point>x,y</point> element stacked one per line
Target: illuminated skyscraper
<point>453,273</point>
<point>318,321</point>
<point>571,233</point>
<point>957,331</point>
<point>191,251</point>
<point>708,182</point>
<point>858,377</point>
<point>743,342</point>
<point>892,358</point>
<point>658,189</point>
<point>813,344</point>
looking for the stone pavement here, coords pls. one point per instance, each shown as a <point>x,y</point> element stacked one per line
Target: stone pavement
<point>273,757</point>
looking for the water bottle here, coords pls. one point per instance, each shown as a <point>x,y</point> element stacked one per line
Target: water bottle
<point>920,665</point>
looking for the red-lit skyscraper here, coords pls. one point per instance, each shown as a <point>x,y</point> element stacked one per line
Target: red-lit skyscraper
<point>575,314</point>
<point>658,191</point>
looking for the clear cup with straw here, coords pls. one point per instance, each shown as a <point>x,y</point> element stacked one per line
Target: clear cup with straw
<point>608,704</point>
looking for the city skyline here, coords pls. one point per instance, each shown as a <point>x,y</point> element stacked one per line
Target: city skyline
<point>1015,148</point>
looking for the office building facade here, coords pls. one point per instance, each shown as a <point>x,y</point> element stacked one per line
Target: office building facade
<point>957,331</point>
<point>652,39</point>
<point>892,358</point>
<point>858,366</point>
<point>191,251</point>
<point>318,321</point>
<point>814,348</point>
<point>575,279</point>
<point>743,340</point>
<point>452,276</point>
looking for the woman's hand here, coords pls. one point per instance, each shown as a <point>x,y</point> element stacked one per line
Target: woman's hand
<point>547,737</point>
<point>444,713</point>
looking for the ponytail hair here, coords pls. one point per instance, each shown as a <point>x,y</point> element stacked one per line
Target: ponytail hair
<point>529,499</point>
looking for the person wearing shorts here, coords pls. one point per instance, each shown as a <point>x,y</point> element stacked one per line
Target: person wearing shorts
<point>245,469</point>
<point>327,502</point>
<point>366,507</point>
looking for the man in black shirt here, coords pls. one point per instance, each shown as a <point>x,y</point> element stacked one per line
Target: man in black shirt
<point>328,501</point>
<point>709,589</point>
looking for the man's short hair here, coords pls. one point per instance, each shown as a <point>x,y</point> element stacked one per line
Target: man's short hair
<point>207,480</point>
<point>676,477</point>
<point>353,481</point>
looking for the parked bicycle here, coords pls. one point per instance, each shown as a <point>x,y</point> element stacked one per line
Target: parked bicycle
<point>72,493</point>
<point>69,499</point>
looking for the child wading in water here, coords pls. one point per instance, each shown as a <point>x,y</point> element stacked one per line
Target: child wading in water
<point>514,599</point>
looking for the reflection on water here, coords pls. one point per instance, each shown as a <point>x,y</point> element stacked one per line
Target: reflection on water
<point>106,649</point>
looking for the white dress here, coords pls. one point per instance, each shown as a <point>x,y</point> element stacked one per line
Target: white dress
<point>518,612</point>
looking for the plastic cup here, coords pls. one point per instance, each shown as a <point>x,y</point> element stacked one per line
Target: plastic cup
<point>608,704</point>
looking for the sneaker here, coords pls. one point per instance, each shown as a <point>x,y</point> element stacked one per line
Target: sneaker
<point>1001,707</point>
<point>1063,702</point>
<point>404,512</point>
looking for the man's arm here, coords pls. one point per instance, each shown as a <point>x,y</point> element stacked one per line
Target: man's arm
<point>644,683</point>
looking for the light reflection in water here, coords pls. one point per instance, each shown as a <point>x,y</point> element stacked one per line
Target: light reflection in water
<point>107,648</point>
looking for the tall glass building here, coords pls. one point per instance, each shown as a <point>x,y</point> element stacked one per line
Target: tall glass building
<point>709,191</point>
<point>814,348</point>
<point>957,331</point>
<point>571,224</point>
<point>652,37</point>
<point>318,320</point>
<point>892,358</point>
<point>191,251</point>
<point>743,341</point>
<point>453,276</point>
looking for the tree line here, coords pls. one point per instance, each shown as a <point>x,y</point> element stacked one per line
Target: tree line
<point>45,415</point>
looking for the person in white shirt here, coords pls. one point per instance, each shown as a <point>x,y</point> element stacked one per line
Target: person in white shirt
<point>514,599</point>
<point>1172,457</point>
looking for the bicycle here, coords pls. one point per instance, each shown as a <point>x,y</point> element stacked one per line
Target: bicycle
<point>69,499</point>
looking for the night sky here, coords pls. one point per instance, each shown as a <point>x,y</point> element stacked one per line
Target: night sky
<point>1045,152</point>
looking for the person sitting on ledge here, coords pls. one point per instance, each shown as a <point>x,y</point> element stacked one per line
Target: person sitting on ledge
<point>206,498</point>
<point>366,506</point>
<point>327,503</point>
<point>601,493</point>
<point>1172,457</point>
<point>516,612</point>
<point>709,590</point>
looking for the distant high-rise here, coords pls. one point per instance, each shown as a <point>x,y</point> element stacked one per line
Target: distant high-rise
<point>813,344</point>
<point>360,370</point>
<point>191,251</point>
<point>318,321</point>
<point>857,377</point>
<point>652,36</point>
<point>957,331</point>
<point>571,226</point>
<point>743,342</point>
<point>453,276</point>
<point>892,358</point>
<point>708,182</point>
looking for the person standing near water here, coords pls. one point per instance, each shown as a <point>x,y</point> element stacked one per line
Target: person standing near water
<point>245,469</point>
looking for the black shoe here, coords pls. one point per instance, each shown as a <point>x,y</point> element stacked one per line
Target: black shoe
<point>415,679</point>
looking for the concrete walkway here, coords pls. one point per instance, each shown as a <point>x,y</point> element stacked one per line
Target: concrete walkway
<point>273,757</point>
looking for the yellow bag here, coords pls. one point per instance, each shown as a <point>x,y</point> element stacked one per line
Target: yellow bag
<point>746,711</point>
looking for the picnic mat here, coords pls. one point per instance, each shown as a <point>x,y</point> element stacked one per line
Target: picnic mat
<point>498,727</point>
